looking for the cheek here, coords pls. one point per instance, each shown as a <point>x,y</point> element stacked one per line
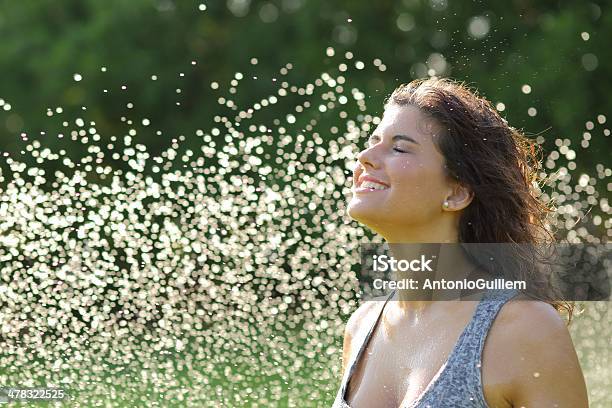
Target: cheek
<point>419,190</point>
<point>416,176</point>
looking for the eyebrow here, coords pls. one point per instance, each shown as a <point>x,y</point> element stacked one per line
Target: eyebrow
<point>395,138</point>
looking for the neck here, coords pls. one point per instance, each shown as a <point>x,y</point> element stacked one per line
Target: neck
<point>448,262</point>
<point>442,230</point>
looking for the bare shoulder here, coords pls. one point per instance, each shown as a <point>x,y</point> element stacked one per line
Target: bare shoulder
<point>526,315</point>
<point>359,316</point>
<point>358,323</point>
<point>536,355</point>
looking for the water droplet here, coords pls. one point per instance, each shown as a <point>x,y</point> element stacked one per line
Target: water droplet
<point>526,89</point>
<point>590,62</point>
<point>405,22</point>
<point>478,27</point>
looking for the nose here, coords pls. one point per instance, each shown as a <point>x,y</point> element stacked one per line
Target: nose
<point>367,157</point>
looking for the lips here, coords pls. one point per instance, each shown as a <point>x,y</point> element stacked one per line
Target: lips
<point>366,183</point>
<point>366,177</point>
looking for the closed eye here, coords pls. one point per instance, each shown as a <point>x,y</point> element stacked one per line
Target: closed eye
<point>399,150</point>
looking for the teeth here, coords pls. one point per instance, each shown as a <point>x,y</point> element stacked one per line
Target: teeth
<point>371,184</point>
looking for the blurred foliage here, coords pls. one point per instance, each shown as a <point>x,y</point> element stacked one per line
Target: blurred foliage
<point>558,48</point>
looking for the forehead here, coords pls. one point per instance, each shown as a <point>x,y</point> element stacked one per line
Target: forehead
<point>408,120</point>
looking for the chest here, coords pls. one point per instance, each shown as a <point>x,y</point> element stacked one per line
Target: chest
<point>399,364</point>
<point>389,373</point>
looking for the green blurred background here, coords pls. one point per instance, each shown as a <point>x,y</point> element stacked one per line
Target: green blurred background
<point>559,48</point>
<point>147,67</point>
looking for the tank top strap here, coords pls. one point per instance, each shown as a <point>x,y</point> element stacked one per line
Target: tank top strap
<point>482,320</point>
<point>463,373</point>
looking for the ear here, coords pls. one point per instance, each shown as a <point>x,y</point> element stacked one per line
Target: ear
<point>460,197</point>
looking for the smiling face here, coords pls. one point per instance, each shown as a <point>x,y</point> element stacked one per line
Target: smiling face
<point>399,181</point>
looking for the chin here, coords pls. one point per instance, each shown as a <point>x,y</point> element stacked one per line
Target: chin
<point>362,213</point>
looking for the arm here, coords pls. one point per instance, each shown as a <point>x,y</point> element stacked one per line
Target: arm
<point>354,324</point>
<point>546,369</point>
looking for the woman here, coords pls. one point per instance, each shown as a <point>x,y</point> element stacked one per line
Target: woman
<point>443,167</point>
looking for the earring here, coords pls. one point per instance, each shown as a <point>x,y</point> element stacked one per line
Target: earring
<point>445,205</point>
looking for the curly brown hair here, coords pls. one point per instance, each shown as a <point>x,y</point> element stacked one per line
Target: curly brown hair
<point>496,161</point>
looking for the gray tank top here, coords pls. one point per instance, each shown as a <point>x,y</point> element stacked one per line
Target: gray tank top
<point>458,383</point>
